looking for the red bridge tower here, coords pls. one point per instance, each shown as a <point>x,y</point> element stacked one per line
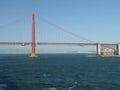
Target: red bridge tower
<point>33,43</point>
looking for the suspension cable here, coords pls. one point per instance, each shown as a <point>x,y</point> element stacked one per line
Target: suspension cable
<point>62,29</point>
<point>13,22</point>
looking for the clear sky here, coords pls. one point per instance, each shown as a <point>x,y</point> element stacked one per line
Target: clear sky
<point>97,20</point>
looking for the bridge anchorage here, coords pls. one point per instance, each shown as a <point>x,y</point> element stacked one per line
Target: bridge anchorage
<point>108,49</point>
<point>102,49</point>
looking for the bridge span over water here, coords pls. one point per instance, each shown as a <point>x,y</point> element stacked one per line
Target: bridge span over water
<point>102,49</point>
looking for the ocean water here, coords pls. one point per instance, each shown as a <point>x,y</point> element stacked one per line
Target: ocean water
<point>59,72</point>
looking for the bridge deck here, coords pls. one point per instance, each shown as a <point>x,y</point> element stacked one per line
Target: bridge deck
<point>53,43</point>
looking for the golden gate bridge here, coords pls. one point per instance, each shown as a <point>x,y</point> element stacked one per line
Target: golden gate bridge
<point>102,49</point>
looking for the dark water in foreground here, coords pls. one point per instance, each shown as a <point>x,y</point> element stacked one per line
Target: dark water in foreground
<point>59,72</point>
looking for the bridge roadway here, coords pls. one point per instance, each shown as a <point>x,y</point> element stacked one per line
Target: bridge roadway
<point>100,47</point>
<point>53,43</point>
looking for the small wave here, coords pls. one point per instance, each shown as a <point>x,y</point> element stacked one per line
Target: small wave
<point>50,89</point>
<point>91,56</point>
<point>73,86</point>
<point>46,75</point>
<point>2,86</point>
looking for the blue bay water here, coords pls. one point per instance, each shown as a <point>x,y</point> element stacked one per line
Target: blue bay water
<point>59,72</point>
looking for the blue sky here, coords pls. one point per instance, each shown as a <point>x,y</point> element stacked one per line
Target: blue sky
<point>97,20</point>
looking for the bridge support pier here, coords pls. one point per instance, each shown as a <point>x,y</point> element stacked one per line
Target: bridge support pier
<point>118,49</point>
<point>98,49</point>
